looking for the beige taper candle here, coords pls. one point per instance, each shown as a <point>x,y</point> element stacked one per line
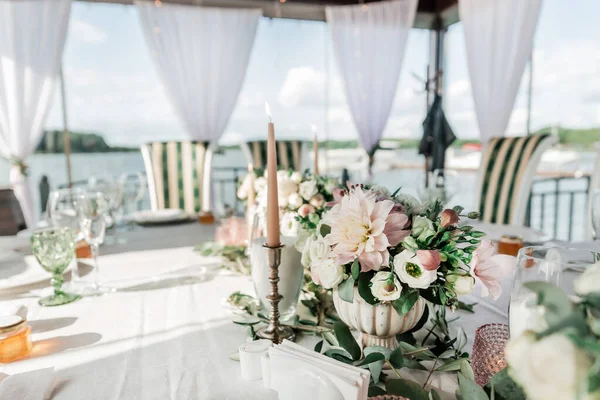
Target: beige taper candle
<point>272,192</point>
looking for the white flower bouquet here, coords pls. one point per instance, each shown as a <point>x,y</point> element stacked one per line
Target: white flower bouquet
<point>395,249</point>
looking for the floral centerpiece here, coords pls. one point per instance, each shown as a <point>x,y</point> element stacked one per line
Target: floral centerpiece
<point>302,197</point>
<point>382,253</point>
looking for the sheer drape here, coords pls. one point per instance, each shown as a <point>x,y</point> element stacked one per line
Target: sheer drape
<point>369,42</point>
<point>499,40</point>
<point>201,54</point>
<point>32,38</point>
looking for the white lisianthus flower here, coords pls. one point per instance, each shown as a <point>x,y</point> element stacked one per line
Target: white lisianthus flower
<point>331,184</point>
<point>422,228</point>
<point>589,281</point>
<point>260,184</point>
<point>296,177</point>
<point>462,284</point>
<point>550,368</point>
<point>385,286</point>
<point>330,273</point>
<point>308,189</point>
<point>410,271</point>
<point>289,225</point>
<point>295,201</point>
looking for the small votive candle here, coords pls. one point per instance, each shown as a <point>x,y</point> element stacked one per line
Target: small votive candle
<point>15,338</point>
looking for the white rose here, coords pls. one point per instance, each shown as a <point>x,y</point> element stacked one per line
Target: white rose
<point>260,184</point>
<point>308,189</point>
<point>589,281</point>
<point>317,200</point>
<point>289,225</point>
<point>283,201</point>
<point>287,187</point>
<point>385,286</point>
<point>410,271</point>
<point>295,201</point>
<point>296,177</point>
<point>464,284</point>
<point>330,273</point>
<point>551,368</point>
<point>319,250</point>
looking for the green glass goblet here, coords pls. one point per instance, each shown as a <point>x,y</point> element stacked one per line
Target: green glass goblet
<point>54,248</point>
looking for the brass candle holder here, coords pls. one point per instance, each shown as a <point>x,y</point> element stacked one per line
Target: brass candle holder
<point>274,331</point>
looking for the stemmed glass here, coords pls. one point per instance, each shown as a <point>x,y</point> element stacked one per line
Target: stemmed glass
<point>54,249</point>
<point>133,188</point>
<point>113,193</point>
<point>92,211</point>
<point>62,211</point>
<point>559,266</point>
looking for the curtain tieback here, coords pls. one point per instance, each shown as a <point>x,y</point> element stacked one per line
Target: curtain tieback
<point>20,164</point>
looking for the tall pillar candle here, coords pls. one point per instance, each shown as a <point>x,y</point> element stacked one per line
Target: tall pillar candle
<point>272,192</point>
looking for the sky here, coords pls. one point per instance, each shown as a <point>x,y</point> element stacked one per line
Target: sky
<point>113,88</point>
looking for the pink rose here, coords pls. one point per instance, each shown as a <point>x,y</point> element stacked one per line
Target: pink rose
<point>429,259</point>
<point>448,218</point>
<point>305,210</point>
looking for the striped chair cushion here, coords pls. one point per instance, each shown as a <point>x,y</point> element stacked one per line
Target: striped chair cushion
<point>504,166</point>
<point>289,154</point>
<point>177,170</point>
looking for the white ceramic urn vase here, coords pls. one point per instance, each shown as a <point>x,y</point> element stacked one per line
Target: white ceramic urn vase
<point>378,324</point>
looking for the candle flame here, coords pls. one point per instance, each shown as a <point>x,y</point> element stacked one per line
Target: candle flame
<point>268,110</point>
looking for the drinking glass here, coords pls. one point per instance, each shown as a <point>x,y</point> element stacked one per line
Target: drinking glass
<point>54,249</point>
<point>134,190</point>
<point>92,211</point>
<point>559,266</point>
<point>596,213</point>
<point>62,211</point>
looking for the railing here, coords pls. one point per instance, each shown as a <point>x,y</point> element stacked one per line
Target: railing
<point>560,205</point>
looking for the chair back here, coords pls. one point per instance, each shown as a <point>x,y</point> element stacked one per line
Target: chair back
<point>506,175</point>
<point>594,185</point>
<point>290,154</point>
<point>178,174</point>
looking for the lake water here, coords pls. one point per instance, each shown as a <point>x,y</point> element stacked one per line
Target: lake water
<point>113,164</point>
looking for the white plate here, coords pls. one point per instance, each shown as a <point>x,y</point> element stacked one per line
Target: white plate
<point>495,231</point>
<point>159,216</point>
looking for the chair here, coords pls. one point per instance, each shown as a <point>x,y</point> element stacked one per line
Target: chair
<point>11,216</point>
<point>507,170</point>
<point>178,175</point>
<point>291,154</point>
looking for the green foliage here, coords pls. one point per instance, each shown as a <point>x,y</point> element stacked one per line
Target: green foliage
<point>504,388</point>
<point>406,388</point>
<point>346,290</point>
<point>346,340</point>
<point>364,287</point>
<point>406,301</point>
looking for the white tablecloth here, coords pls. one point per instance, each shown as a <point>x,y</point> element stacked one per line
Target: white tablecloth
<point>164,335</point>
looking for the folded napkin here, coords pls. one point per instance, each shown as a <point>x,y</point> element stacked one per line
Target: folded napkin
<point>32,385</point>
<point>299,373</point>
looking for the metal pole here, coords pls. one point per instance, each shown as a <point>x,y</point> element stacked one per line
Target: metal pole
<point>66,134</point>
<point>529,94</point>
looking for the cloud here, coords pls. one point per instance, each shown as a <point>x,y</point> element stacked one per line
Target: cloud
<point>306,87</point>
<point>86,32</point>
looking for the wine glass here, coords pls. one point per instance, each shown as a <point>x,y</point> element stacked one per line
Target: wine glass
<point>134,190</point>
<point>559,266</point>
<point>62,212</point>
<point>92,211</point>
<point>113,193</point>
<point>54,249</point>
<point>596,213</point>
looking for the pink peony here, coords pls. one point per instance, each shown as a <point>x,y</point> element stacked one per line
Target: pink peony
<point>489,268</point>
<point>429,259</point>
<point>364,228</point>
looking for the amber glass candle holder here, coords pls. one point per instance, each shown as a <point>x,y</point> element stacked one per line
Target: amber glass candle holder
<point>15,339</point>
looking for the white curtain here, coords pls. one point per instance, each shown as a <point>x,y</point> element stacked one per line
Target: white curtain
<point>202,54</point>
<point>32,38</point>
<point>499,40</point>
<point>369,42</point>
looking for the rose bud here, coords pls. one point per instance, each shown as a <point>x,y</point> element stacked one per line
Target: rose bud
<point>448,218</point>
<point>305,210</point>
<point>429,259</point>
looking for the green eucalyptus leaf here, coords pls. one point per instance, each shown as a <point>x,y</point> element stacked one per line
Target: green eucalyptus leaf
<point>307,322</point>
<point>422,321</point>
<point>414,364</point>
<point>371,358</point>
<point>504,387</point>
<point>378,349</point>
<point>553,299</point>
<point>346,290</point>
<point>407,337</point>
<point>364,287</point>
<point>433,395</point>
<point>466,370</point>
<point>396,358</point>
<point>347,341</point>
<point>469,390</point>
<point>319,346</point>
<point>375,391</point>
<point>450,365</point>
<point>406,301</point>
<point>355,269</point>
<point>406,388</point>
<point>458,209</point>
<point>331,339</point>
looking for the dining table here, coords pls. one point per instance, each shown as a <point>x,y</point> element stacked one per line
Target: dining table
<point>166,331</point>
